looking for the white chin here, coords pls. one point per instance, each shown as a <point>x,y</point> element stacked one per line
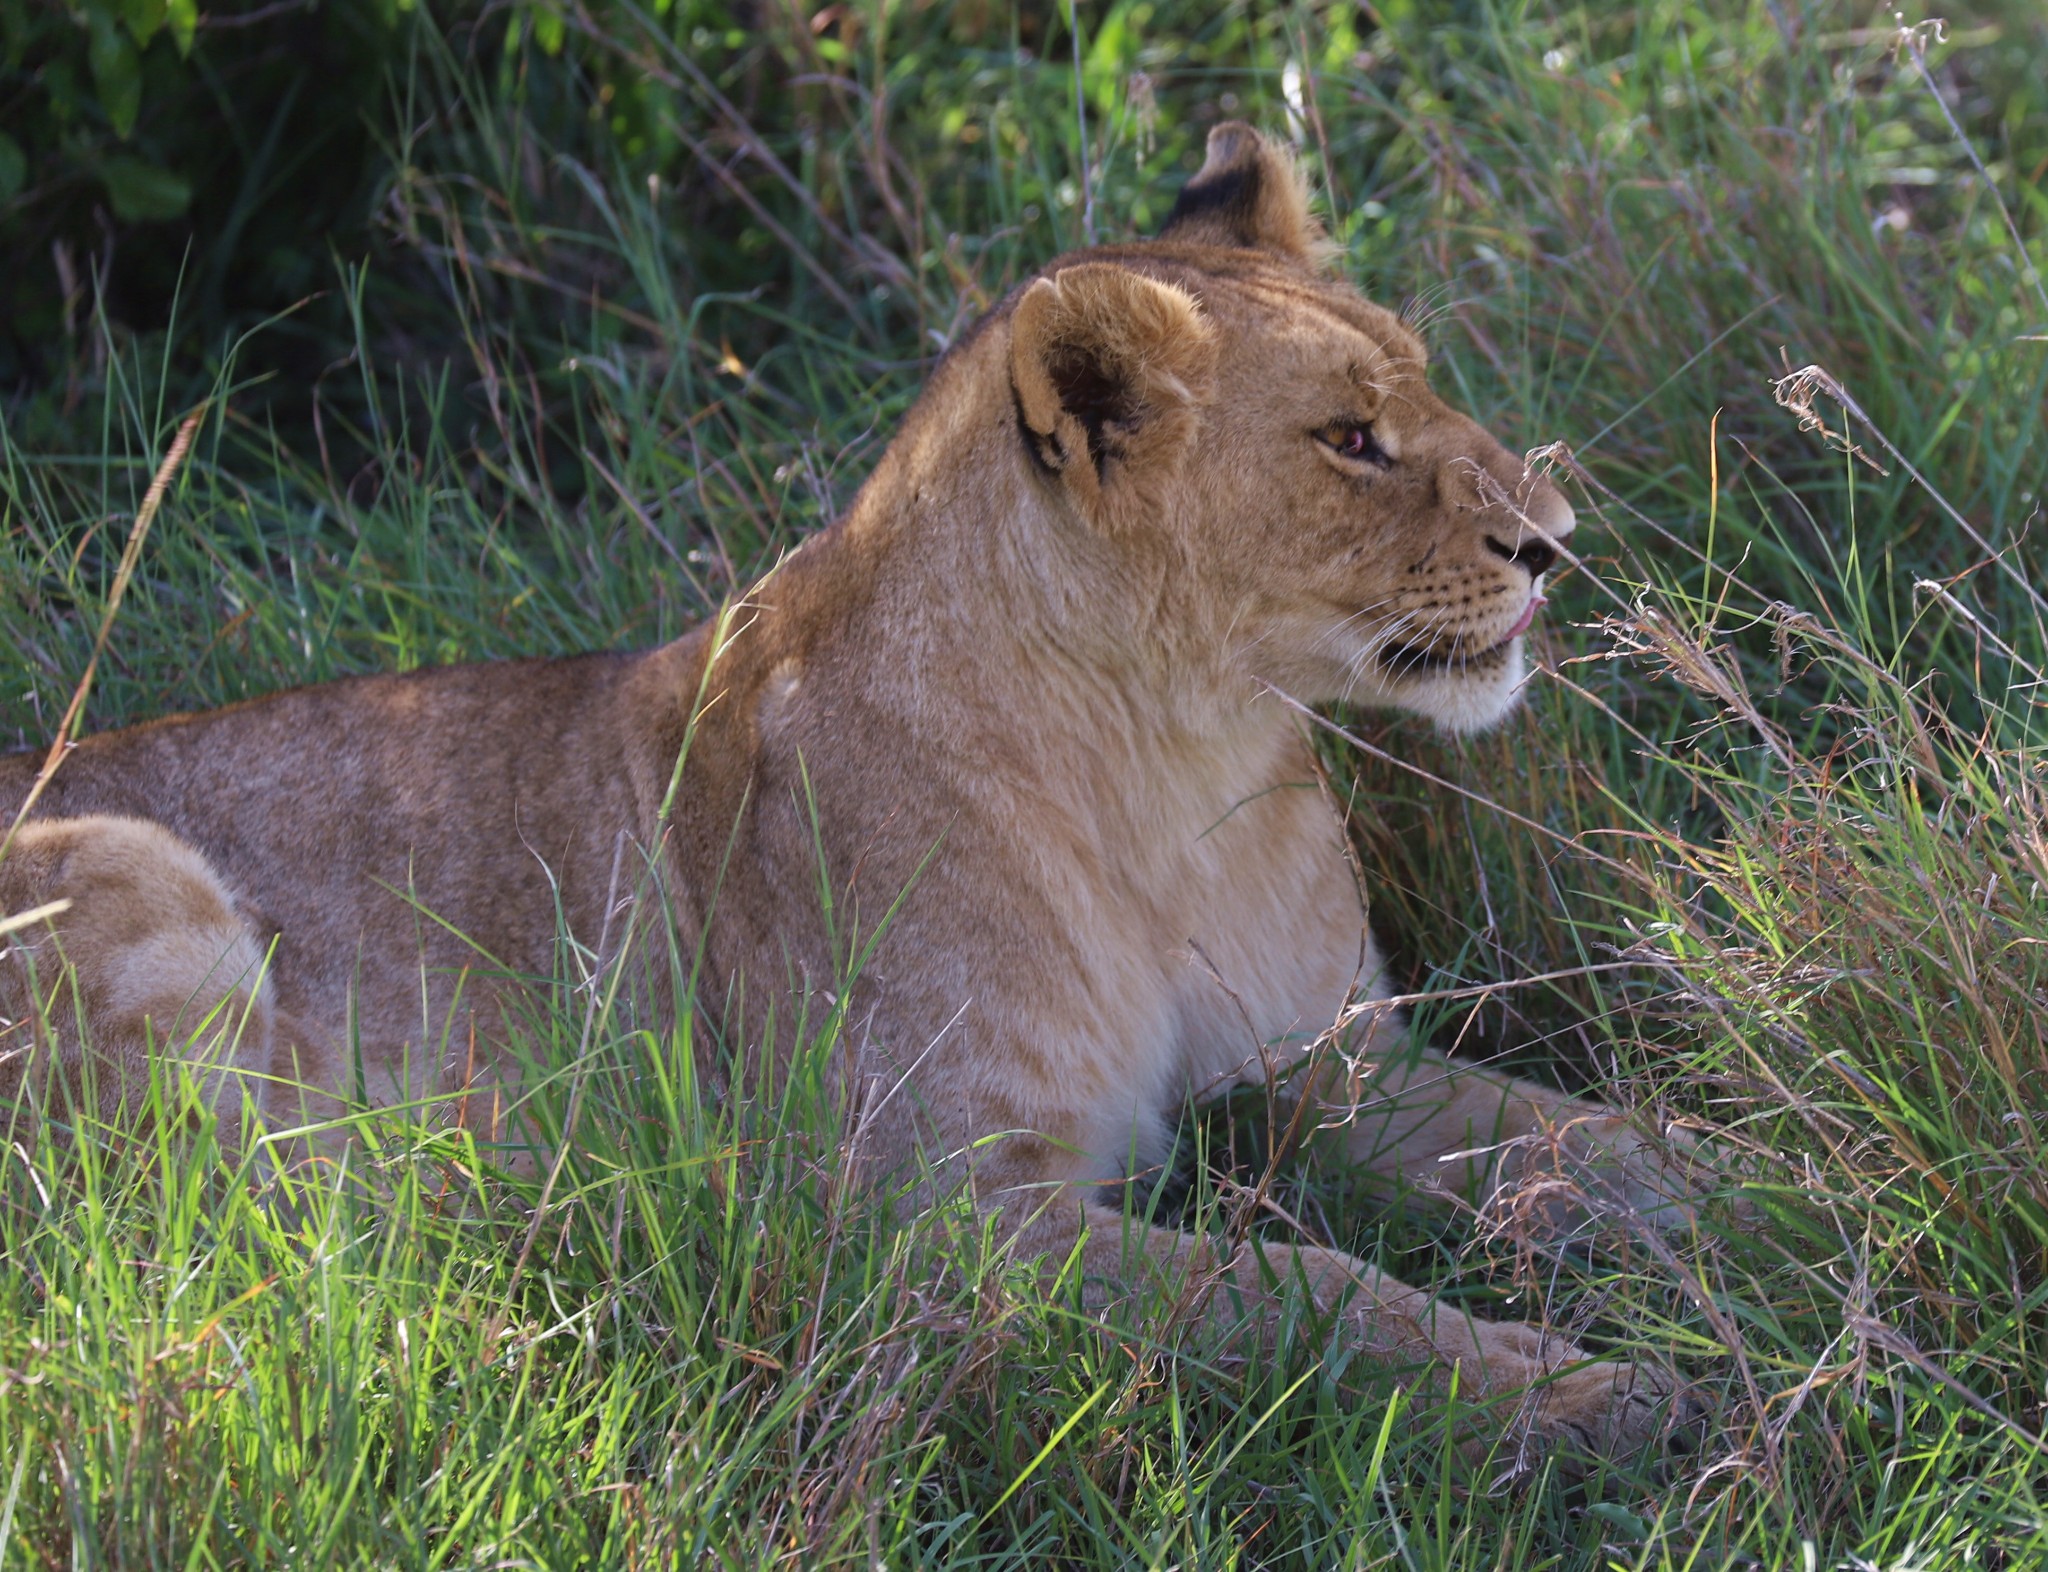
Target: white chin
<point>1465,701</point>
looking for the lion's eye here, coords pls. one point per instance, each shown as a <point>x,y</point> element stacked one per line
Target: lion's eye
<point>1357,442</point>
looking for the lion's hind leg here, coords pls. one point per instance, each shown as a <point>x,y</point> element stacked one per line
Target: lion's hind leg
<point>145,956</point>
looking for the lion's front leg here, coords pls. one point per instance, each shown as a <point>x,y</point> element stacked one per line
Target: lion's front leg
<point>1505,1145</point>
<point>1530,1392</point>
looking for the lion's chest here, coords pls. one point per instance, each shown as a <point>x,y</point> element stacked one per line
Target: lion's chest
<point>1277,950</point>
<point>1243,954</point>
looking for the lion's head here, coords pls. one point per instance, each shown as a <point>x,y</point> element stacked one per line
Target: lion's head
<point>1261,442</point>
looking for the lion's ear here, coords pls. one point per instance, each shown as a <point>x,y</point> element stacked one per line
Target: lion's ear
<point>1109,368</point>
<point>1249,192</point>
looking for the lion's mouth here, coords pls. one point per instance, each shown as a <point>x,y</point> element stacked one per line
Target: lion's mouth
<point>1407,660</point>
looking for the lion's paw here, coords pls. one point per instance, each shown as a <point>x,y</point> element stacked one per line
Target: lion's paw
<point>1603,1411</point>
<point>1601,1167</point>
<point>1615,1410</point>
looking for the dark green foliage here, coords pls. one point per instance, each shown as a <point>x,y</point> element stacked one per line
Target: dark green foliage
<point>620,303</point>
<point>196,171</point>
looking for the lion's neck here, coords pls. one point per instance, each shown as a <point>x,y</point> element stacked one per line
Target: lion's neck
<point>1000,629</point>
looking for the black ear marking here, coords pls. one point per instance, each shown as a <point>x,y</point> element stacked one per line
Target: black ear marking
<point>1105,404</point>
<point>1112,366</point>
<point>1221,199</point>
<point>1048,453</point>
<point>1249,193</point>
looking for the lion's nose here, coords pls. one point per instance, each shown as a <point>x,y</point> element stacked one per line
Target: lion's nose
<point>1545,521</point>
<point>1532,553</point>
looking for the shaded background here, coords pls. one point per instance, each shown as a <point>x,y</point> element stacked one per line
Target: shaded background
<point>532,328</point>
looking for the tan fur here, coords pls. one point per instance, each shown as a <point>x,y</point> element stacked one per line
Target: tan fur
<point>149,953</point>
<point>1023,693</point>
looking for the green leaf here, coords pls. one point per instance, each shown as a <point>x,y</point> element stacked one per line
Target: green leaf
<point>1621,1520</point>
<point>15,33</point>
<point>117,73</point>
<point>64,91</point>
<point>144,18</point>
<point>547,29</point>
<point>183,15</point>
<point>142,192</point>
<point>13,168</point>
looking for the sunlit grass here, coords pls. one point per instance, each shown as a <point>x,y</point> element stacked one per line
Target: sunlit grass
<point>1775,811</point>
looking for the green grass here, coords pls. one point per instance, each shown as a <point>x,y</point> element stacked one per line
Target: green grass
<point>1778,813</point>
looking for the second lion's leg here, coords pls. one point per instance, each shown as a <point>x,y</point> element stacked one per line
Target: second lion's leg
<point>141,955</point>
<point>1532,1384</point>
<point>1449,1128</point>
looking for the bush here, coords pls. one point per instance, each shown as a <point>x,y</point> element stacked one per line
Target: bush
<point>202,170</point>
<point>646,293</point>
<point>207,161</point>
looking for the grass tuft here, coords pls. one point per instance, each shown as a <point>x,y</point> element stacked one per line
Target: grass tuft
<point>1764,854</point>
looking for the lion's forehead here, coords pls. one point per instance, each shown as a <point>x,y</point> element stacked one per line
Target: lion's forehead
<point>1319,326</point>
<point>1311,301</point>
<point>1259,295</point>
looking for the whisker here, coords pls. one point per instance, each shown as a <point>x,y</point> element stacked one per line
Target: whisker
<point>1331,634</point>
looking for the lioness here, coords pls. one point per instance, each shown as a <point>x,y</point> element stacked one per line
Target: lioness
<point>1023,693</point>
